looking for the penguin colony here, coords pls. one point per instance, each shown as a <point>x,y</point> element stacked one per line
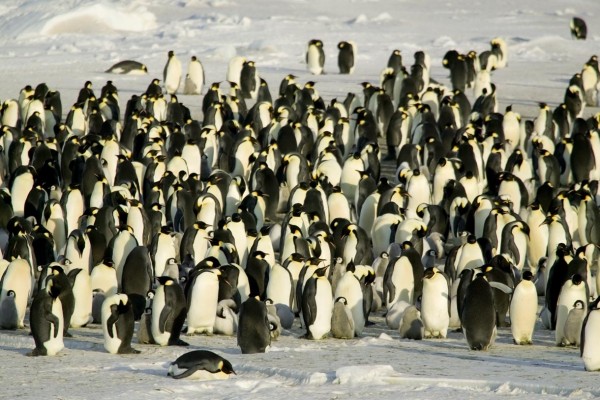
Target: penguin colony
<point>272,210</point>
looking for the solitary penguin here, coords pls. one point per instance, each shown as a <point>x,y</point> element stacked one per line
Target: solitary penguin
<point>578,28</point>
<point>346,57</point>
<point>315,57</point>
<point>201,364</point>
<point>128,67</point>
<point>194,80</point>
<point>172,73</point>
<point>118,324</point>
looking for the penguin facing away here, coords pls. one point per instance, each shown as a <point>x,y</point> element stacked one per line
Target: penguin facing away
<point>201,365</point>
<point>253,335</point>
<point>478,316</point>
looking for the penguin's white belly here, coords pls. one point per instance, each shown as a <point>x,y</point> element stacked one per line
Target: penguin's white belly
<point>404,282</point>
<point>158,303</point>
<point>591,347</point>
<point>322,323</point>
<point>523,312</point>
<point>111,344</point>
<point>82,290</point>
<point>203,307</point>
<point>314,64</point>
<point>434,308</point>
<point>201,374</point>
<point>55,344</point>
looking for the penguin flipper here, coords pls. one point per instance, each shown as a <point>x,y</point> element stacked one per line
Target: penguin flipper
<point>188,372</point>
<point>110,322</point>
<point>53,319</point>
<point>165,317</point>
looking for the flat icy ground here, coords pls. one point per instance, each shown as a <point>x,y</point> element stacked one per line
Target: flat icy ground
<point>73,41</point>
<point>377,366</point>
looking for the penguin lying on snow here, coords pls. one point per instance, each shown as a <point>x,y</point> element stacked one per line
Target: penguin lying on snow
<point>201,364</point>
<point>128,67</point>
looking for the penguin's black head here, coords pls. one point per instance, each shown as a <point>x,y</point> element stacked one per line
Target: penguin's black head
<point>576,279</point>
<point>429,273</point>
<point>171,53</point>
<point>165,280</point>
<point>578,305</point>
<point>527,276</point>
<point>226,367</point>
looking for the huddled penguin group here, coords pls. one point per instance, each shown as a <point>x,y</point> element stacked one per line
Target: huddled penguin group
<point>273,210</point>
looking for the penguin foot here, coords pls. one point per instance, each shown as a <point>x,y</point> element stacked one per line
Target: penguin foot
<point>67,334</point>
<point>36,352</point>
<point>130,350</point>
<point>178,342</point>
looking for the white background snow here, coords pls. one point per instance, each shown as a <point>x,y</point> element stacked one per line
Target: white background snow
<point>66,42</point>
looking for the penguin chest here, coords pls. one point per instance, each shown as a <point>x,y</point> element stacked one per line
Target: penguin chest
<point>314,60</point>
<point>111,344</point>
<point>403,280</point>
<point>349,288</point>
<point>55,344</point>
<point>82,291</point>
<point>160,333</point>
<point>591,347</point>
<point>203,305</point>
<point>523,312</point>
<point>322,323</point>
<point>434,307</point>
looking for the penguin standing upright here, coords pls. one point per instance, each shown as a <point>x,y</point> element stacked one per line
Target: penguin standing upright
<point>172,73</point>
<point>168,312</point>
<point>315,57</point>
<point>202,298</point>
<point>435,304</point>
<point>46,319</point>
<point>317,306</point>
<point>589,348</point>
<point>17,278</point>
<point>478,315</point>
<point>253,335</point>
<point>346,57</point>
<point>118,324</point>
<point>194,80</point>
<point>523,310</point>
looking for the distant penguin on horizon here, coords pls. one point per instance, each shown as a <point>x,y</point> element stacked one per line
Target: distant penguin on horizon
<point>315,57</point>
<point>172,73</point>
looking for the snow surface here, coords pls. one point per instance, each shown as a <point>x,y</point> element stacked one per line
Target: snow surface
<point>73,41</point>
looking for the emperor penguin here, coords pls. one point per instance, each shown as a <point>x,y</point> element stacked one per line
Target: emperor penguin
<point>202,299</point>
<point>9,316</point>
<point>168,312</point>
<point>578,28</point>
<point>254,329</point>
<point>523,310</point>
<point>172,73</point>
<point>435,304</point>
<point>17,279</point>
<point>194,80</point>
<point>572,290</point>
<point>478,315</point>
<point>342,323</point>
<point>573,325</point>
<point>349,288</point>
<point>590,349</point>
<point>317,305</point>
<point>201,365</point>
<point>82,291</point>
<point>46,320</point>
<point>315,57</point>
<point>411,325</point>
<point>346,57</point>
<point>118,324</point>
